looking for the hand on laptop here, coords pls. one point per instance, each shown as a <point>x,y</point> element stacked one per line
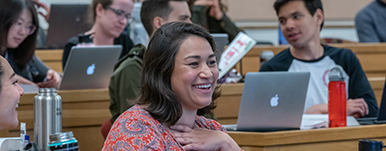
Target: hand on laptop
<point>357,107</point>
<point>53,80</point>
<point>203,139</point>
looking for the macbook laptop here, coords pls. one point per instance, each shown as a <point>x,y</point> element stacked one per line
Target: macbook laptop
<point>221,41</point>
<point>90,67</point>
<point>66,21</point>
<point>272,101</point>
<point>381,118</point>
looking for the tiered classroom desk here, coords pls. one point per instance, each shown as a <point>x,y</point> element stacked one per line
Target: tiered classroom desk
<point>327,139</point>
<point>85,110</point>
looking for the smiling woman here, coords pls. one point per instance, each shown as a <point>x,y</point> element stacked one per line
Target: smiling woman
<point>179,80</point>
<point>10,93</point>
<point>18,31</point>
<point>108,19</point>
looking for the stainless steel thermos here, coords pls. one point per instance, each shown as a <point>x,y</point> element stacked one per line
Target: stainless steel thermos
<point>47,116</point>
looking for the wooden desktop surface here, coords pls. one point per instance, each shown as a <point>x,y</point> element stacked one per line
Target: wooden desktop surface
<point>326,139</point>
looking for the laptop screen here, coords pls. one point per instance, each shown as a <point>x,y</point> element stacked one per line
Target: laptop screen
<point>66,21</point>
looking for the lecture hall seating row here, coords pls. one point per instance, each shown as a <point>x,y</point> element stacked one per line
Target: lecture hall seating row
<point>85,110</point>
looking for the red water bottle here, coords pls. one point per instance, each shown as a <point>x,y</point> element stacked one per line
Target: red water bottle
<point>337,114</point>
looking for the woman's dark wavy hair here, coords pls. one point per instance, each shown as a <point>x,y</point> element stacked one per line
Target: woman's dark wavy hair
<point>10,11</point>
<point>159,60</point>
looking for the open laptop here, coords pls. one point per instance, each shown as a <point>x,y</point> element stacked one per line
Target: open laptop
<point>381,118</point>
<point>66,21</point>
<point>221,41</point>
<point>90,67</point>
<point>272,101</point>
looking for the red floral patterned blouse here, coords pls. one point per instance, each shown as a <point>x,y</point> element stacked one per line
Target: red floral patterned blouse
<point>136,129</point>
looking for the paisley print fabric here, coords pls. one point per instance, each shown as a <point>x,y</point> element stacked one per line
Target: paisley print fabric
<point>137,130</point>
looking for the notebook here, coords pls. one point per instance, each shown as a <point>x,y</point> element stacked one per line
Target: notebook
<point>272,101</point>
<point>221,40</point>
<point>381,118</point>
<point>66,21</point>
<point>90,67</point>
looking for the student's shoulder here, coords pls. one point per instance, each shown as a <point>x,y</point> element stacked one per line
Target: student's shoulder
<point>280,62</point>
<point>336,51</point>
<point>133,59</point>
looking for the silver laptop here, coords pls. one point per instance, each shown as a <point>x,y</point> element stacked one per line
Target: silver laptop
<point>66,21</point>
<point>221,41</point>
<point>272,101</point>
<point>90,67</point>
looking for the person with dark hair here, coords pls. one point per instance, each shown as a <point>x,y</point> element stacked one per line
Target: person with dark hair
<point>179,78</point>
<point>125,83</point>
<point>370,22</point>
<point>211,14</point>
<point>301,22</point>
<point>18,31</point>
<point>108,19</point>
<point>10,93</point>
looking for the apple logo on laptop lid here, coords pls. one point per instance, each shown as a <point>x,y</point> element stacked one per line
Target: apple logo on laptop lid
<point>275,100</point>
<point>90,69</point>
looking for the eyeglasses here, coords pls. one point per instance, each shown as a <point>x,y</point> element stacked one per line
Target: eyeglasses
<point>121,14</point>
<point>28,27</point>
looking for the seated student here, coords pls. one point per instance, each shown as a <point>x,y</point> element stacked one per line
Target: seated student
<point>301,22</point>
<point>179,78</point>
<point>108,18</point>
<point>18,30</point>
<point>10,93</point>
<point>211,15</point>
<point>370,22</point>
<point>125,85</point>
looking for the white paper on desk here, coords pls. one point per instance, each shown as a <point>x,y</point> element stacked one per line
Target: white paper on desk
<point>9,143</point>
<point>321,120</point>
<point>29,88</point>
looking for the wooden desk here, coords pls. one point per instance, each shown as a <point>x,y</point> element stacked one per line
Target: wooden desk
<point>52,58</point>
<point>83,112</point>
<point>333,139</point>
<point>228,104</point>
<point>371,55</point>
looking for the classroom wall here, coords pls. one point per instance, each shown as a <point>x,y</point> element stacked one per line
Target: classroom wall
<point>258,18</point>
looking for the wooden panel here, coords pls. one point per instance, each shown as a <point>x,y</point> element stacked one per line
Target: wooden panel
<point>49,55</point>
<point>52,58</point>
<point>373,62</point>
<point>308,136</point>
<point>56,66</point>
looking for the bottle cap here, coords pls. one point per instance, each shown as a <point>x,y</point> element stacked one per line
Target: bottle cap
<point>44,90</point>
<point>53,90</point>
<point>336,74</point>
<point>267,55</point>
<point>61,137</point>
